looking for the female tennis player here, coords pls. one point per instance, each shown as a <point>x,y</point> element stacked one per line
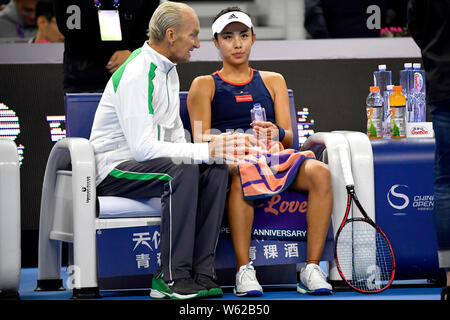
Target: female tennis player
<point>223,101</point>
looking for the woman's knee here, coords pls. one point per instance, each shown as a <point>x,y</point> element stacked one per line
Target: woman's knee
<point>320,177</point>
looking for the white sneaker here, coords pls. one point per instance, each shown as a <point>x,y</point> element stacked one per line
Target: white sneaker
<point>313,280</point>
<point>246,282</point>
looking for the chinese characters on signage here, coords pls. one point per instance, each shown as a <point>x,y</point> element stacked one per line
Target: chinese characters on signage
<point>143,239</point>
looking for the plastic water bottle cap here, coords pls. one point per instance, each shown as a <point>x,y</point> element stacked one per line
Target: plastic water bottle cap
<point>390,87</point>
<point>382,67</point>
<point>374,89</point>
<point>408,65</point>
<point>257,106</point>
<point>416,65</point>
<point>397,88</point>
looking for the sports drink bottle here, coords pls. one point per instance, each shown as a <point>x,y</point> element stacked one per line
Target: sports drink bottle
<point>375,116</point>
<point>397,102</point>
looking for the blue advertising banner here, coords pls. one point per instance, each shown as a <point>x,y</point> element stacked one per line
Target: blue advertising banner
<point>268,252</point>
<point>278,237</point>
<point>128,251</point>
<point>282,216</point>
<point>404,204</point>
<point>279,233</point>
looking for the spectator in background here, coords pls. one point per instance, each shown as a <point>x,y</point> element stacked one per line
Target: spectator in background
<point>89,61</point>
<point>396,13</point>
<point>429,24</point>
<point>17,20</point>
<point>348,19</point>
<point>46,21</point>
<point>3,4</point>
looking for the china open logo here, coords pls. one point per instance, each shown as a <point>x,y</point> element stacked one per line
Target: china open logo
<point>420,201</point>
<point>396,199</point>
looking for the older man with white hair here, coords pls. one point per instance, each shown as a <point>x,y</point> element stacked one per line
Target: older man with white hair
<point>141,151</point>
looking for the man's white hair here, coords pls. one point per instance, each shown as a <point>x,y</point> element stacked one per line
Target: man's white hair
<point>169,14</point>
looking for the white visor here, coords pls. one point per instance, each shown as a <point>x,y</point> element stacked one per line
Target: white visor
<point>230,17</point>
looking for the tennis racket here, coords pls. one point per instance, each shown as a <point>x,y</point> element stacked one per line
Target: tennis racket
<point>363,253</point>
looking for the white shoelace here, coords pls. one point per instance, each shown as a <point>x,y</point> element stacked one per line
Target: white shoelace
<point>248,271</point>
<point>321,273</point>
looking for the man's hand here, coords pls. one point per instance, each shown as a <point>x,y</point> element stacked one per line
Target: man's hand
<point>117,59</point>
<point>232,147</point>
<point>265,130</point>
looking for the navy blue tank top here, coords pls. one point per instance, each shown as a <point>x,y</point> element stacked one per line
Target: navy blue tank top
<point>232,102</point>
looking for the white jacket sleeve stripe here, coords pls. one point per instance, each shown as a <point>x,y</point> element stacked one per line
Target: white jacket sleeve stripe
<point>151,88</point>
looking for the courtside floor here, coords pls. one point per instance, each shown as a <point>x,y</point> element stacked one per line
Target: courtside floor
<point>400,290</point>
<point>408,299</point>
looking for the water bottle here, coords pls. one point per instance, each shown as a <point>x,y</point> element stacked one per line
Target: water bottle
<point>381,79</point>
<point>375,117</point>
<point>406,76</point>
<point>397,103</point>
<point>258,113</point>
<point>418,94</point>
<point>387,121</point>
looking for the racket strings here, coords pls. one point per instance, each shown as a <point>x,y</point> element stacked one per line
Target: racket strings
<point>364,257</point>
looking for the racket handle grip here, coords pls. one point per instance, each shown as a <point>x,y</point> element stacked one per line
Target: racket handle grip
<point>346,165</point>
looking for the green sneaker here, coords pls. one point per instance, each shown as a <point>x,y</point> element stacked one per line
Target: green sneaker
<point>213,288</point>
<point>179,289</point>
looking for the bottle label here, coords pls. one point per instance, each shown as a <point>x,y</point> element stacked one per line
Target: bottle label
<point>418,82</point>
<point>398,121</point>
<point>374,122</point>
<point>258,114</point>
